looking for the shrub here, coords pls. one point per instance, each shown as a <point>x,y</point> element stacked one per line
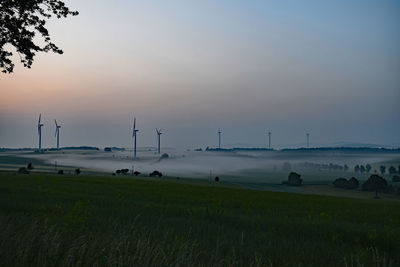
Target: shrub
<point>164,156</point>
<point>23,170</point>
<point>155,173</point>
<point>352,183</point>
<point>30,166</point>
<point>396,178</point>
<point>294,179</point>
<point>60,172</point>
<point>392,170</point>
<point>340,183</point>
<point>124,171</point>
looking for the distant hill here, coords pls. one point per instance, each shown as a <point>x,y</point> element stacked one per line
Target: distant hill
<point>4,149</point>
<point>352,149</point>
<point>78,148</point>
<point>314,149</point>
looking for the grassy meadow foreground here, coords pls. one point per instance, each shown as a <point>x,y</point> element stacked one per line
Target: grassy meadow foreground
<point>55,220</point>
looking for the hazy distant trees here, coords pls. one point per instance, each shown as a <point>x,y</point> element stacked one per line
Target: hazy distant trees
<point>357,168</point>
<point>382,169</point>
<point>362,169</point>
<point>21,22</point>
<point>392,170</point>
<point>330,166</point>
<point>368,168</point>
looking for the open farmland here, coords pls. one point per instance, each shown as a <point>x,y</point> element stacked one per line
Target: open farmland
<point>49,220</point>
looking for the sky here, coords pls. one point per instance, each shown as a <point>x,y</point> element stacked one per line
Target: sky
<point>330,68</point>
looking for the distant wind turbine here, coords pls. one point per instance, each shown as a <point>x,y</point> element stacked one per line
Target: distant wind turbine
<point>219,138</point>
<point>308,140</point>
<point>134,134</point>
<point>269,140</point>
<point>57,134</point>
<point>159,133</point>
<point>40,125</point>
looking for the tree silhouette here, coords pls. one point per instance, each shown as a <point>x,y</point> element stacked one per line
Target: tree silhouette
<point>20,23</point>
<point>356,168</point>
<point>345,167</point>
<point>392,170</point>
<point>362,169</point>
<point>368,168</point>
<point>382,168</point>
<point>375,183</point>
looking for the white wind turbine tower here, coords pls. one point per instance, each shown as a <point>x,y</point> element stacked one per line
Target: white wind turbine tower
<point>134,134</point>
<point>159,133</point>
<point>40,125</point>
<point>57,134</point>
<point>219,138</point>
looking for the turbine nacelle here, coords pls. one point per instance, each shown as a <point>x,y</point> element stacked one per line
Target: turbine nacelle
<point>40,125</point>
<point>134,130</point>
<point>57,128</point>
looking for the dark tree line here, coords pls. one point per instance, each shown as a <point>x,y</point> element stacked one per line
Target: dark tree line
<point>21,21</point>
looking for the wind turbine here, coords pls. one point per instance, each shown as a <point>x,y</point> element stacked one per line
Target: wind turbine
<point>40,125</point>
<point>57,134</point>
<point>308,140</point>
<point>134,134</point>
<point>219,138</point>
<point>159,133</point>
<point>269,140</point>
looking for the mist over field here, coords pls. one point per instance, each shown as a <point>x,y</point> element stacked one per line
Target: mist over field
<point>242,167</point>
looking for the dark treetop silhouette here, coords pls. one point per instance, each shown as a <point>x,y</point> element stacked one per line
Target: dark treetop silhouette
<point>20,21</point>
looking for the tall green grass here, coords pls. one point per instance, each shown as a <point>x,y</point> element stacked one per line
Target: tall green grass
<point>50,220</point>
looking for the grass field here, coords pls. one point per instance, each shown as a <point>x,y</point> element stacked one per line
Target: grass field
<point>50,220</point>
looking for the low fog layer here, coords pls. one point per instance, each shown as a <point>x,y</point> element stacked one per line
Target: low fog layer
<point>260,167</point>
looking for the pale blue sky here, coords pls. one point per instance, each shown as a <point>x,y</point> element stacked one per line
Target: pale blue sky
<point>328,67</point>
